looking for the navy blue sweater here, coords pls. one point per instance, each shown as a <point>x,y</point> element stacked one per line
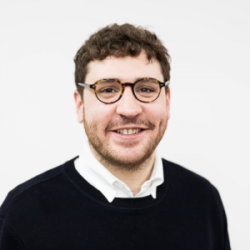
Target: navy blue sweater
<point>60,210</point>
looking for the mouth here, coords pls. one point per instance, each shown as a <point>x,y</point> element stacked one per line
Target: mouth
<point>130,131</point>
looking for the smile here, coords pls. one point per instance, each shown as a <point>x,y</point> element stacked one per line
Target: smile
<point>128,131</point>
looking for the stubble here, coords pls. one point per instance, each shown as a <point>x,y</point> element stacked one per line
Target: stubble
<point>110,157</point>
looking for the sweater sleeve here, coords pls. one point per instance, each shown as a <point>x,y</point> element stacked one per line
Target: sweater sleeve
<point>8,239</point>
<point>226,240</point>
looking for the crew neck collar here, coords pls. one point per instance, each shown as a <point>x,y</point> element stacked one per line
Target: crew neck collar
<point>90,192</point>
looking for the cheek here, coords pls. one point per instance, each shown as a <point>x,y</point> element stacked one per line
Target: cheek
<point>158,113</point>
<point>161,109</point>
<point>98,115</point>
<point>160,118</point>
<point>91,107</point>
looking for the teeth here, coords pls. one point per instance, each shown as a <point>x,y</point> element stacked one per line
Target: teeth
<point>128,131</point>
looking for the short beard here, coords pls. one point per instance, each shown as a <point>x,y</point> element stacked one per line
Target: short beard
<point>109,157</point>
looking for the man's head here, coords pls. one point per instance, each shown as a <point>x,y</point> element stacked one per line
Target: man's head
<point>120,41</point>
<point>124,133</point>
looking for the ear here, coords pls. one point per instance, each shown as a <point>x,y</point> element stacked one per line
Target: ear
<point>168,103</point>
<point>79,106</point>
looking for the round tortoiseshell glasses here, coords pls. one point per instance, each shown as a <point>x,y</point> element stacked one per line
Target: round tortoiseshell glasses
<point>110,91</point>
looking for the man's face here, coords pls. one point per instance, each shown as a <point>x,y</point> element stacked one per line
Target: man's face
<point>148,121</point>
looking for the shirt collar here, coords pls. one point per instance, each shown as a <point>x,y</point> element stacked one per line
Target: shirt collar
<point>103,180</point>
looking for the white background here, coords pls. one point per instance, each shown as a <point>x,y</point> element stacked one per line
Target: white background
<point>209,127</point>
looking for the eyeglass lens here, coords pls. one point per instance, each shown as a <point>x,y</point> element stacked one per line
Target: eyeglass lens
<point>110,90</point>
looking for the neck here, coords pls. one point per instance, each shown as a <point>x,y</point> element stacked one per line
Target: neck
<point>133,179</point>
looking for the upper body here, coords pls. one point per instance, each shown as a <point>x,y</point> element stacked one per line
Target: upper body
<point>124,107</point>
<point>61,210</point>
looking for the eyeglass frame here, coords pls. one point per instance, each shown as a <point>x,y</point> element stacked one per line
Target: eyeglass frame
<point>123,85</point>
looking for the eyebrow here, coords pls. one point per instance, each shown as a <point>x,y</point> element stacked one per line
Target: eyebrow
<point>119,79</point>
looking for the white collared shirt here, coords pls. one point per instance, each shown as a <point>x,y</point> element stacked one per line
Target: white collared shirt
<point>109,185</point>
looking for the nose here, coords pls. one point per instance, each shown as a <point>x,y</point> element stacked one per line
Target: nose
<point>128,105</point>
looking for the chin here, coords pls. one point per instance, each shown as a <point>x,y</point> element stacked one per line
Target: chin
<point>125,157</point>
<point>126,163</point>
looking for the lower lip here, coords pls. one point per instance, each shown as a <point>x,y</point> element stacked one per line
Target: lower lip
<point>128,137</point>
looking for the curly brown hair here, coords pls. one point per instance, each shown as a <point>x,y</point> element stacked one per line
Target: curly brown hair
<point>120,41</point>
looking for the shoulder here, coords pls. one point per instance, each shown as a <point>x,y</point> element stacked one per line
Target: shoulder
<point>183,175</point>
<point>25,188</point>
<point>189,185</point>
<point>32,191</point>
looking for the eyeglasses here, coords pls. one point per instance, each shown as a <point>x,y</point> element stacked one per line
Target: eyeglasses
<point>110,91</point>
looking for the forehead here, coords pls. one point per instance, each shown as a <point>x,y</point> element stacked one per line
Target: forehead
<point>125,69</point>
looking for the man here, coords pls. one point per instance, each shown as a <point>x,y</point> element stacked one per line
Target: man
<point>119,193</point>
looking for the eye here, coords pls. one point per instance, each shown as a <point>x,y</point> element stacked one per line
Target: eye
<point>108,87</point>
<point>108,90</point>
<point>145,90</point>
<point>146,87</point>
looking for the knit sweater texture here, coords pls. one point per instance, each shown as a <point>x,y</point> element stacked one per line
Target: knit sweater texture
<point>60,210</point>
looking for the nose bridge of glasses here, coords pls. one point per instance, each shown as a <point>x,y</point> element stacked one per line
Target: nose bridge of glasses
<point>126,84</point>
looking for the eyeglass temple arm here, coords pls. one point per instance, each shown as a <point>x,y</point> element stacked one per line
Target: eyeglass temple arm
<point>86,85</point>
<point>165,84</point>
